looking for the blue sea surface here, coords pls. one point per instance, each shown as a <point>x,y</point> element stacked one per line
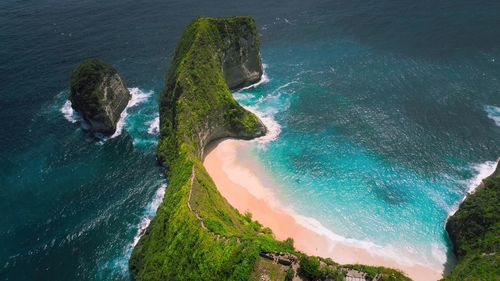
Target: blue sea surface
<point>385,113</point>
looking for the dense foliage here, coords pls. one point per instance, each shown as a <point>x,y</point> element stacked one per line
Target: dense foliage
<point>84,86</point>
<point>475,233</point>
<point>195,108</point>
<point>310,268</point>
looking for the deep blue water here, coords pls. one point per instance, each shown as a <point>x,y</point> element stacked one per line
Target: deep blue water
<point>385,111</point>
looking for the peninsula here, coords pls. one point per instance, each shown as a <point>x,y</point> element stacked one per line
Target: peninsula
<point>197,234</point>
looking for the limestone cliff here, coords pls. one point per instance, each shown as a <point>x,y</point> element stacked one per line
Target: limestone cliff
<point>241,62</point>
<point>99,94</point>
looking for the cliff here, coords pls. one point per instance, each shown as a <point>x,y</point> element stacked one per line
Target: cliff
<point>474,231</point>
<point>196,234</point>
<point>99,94</point>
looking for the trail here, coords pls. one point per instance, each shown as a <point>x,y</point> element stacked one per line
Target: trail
<point>217,236</point>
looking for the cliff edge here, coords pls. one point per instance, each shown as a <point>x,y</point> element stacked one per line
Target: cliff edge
<point>474,231</point>
<point>99,94</point>
<point>196,234</point>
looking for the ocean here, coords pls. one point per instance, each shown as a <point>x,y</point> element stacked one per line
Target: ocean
<point>383,116</point>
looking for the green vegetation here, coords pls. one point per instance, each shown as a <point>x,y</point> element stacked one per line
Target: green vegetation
<point>387,274</point>
<point>194,108</point>
<point>84,85</point>
<point>270,269</point>
<point>196,234</point>
<point>310,268</point>
<point>475,233</point>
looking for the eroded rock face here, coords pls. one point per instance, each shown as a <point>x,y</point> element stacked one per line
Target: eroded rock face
<point>241,61</point>
<point>99,94</point>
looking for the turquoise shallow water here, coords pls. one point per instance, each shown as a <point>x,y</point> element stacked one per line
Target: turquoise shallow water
<point>385,111</point>
<point>377,146</point>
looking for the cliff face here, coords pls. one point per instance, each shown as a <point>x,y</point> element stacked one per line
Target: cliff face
<point>99,94</point>
<point>196,234</point>
<point>196,99</point>
<point>475,233</point>
<point>241,62</point>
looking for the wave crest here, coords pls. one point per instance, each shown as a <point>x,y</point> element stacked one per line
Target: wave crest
<point>493,113</point>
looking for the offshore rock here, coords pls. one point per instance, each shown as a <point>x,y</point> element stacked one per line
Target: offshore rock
<point>99,94</point>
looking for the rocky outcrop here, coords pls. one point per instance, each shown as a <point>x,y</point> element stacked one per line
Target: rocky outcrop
<point>241,61</point>
<point>99,94</point>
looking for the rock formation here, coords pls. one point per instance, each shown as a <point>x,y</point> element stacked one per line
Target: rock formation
<point>99,95</point>
<point>241,62</point>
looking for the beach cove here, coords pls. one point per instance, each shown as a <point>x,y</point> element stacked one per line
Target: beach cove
<point>248,187</point>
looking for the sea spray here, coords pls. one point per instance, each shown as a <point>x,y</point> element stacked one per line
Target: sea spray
<point>154,125</point>
<point>138,96</point>
<point>119,264</point>
<point>149,213</point>
<point>265,112</point>
<point>70,114</point>
<point>493,113</point>
<point>481,171</point>
<point>263,80</point>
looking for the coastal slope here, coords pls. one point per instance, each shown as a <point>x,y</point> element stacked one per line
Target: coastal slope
<point>474,231</point>
<point>197,234</point>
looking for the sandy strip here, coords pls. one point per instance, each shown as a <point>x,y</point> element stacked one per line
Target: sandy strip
<point>245,185</point>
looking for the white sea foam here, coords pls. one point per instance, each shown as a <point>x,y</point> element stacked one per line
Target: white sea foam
<point>150,212</point>
<point>482,171</point>
<point>154,125</point>
<point>493,113</point>
<point>402,255</point>
<point>263,80</point>
<point>68,112</point>
<point>137,96</point>
<point>407,255</point>
<point>273,127</point>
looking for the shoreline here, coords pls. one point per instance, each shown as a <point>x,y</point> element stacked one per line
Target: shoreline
<point>248,188</point>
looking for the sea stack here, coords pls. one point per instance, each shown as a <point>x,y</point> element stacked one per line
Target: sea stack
<point>99,95</point>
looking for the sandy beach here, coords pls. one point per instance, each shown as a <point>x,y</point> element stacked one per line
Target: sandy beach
<point>247,187</point>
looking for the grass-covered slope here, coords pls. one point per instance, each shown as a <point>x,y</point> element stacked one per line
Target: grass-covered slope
<point>475,233</point>
<point>196,234</point>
